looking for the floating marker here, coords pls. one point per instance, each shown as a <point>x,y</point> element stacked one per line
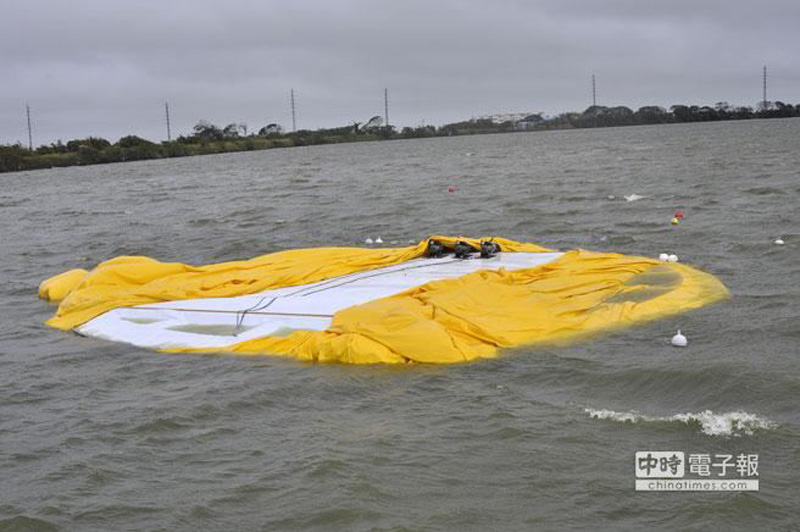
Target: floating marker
<point>675,221</point>
<point>779,242</point>
<point>678,215</point>
<point>368,241</point>
<point>451,188</point>
<point>672,258</point>
<point>679,340</point>
<point>379,240</point>
<point>612,197</point>
<point>663,257</point>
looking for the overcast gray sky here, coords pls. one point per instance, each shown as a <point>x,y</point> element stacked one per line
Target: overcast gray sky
<point>106,67</point>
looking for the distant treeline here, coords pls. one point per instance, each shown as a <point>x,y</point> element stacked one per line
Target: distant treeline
<point>207,138</point>
<point>599,116</point>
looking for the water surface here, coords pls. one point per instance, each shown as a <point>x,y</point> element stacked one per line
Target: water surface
<point>100,436</point>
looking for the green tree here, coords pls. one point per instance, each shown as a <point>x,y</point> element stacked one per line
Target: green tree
<point>652,114</point>
<point>231,131</point>
<point>96,143</point>
<point>88,154</point>
<point>132,141</point>
<point>207,131</point>
<point>11,158</point>
<point>270,129</point>
<point>682,113</point>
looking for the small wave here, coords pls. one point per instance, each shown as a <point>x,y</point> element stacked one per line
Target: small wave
<point>9,202</point>
<point>725,424</point>
<point>23,522</point>
<point>763,191</point>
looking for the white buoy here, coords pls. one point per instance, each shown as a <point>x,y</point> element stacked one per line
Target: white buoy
<point>612,197</point>
<point>673,258</point>
<point>779,242</point>
<point>663,257</point>
<point>379,240</point>
<point>368,241</point>
<point>679,340</point>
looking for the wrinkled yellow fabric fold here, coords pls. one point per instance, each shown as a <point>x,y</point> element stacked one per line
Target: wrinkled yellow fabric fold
<point>127,281</point>
<point>458,320</point>
<point>446,321</point>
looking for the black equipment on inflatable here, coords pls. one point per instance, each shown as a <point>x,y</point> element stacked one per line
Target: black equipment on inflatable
<point>462,249</point>
<point>435,249</point>
<point>489,249</point>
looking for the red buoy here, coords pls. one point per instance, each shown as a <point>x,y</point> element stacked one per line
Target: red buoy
<point>451,188</point>
<point>678,215</point>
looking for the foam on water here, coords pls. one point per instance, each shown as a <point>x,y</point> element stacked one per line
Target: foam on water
<point>724,424</point>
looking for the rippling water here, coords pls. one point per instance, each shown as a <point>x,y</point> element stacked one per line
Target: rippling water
<point>100,436</point>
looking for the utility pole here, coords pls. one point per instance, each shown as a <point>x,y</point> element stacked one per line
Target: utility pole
<point>169,132</point>
<point>386,110</point>
<point>594,99</point>
<point>294,120</point>
<point>764,83</point>
<point>30,133</point>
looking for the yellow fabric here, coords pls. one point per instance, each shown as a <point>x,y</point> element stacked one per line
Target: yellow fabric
<point>127,281</point>
<point>56,288</point>
<point>447,321</point>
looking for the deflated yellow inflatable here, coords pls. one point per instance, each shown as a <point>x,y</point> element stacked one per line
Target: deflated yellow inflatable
<point>529,295</point>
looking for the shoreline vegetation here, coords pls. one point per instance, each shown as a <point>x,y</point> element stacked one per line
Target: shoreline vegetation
<point>207,138</point>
